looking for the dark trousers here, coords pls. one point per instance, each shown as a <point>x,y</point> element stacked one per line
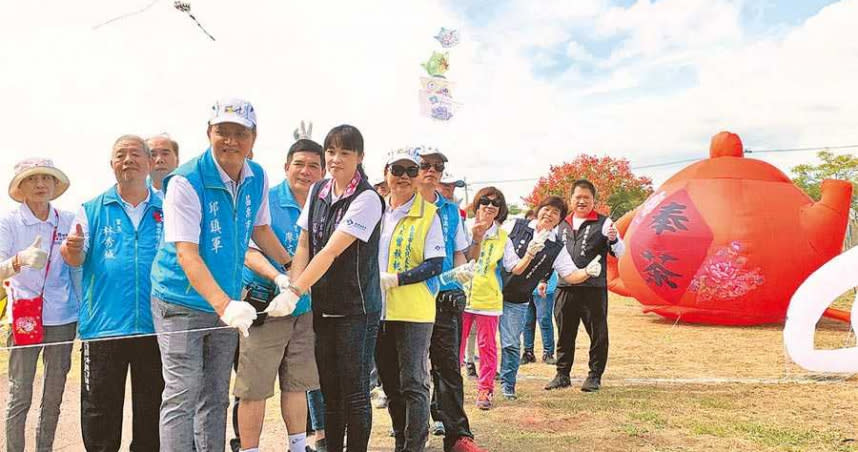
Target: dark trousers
<point>588,305</point>
<point>448,393</point>
<point>344,350</point>
<point>401,357</point>
<point>104,366</point>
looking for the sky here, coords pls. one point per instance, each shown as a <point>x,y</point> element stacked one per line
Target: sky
<point>538,81</point>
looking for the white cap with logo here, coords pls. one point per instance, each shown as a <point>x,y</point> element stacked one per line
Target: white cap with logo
<point>233,110</point>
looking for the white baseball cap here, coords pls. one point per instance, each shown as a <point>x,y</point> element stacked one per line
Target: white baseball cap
<point>448,178</point>
<point>403,154</point>
<point>423,151</point>
<point>233,110</point>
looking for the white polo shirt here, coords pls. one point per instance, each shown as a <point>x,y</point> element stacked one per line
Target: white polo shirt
<point>360,218</point>
<point>18,230</point>
<point>183,212</point>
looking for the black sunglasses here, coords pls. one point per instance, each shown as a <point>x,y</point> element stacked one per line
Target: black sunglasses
<point>439,167</point>
<point>484,201</point>
<point>399,170</point>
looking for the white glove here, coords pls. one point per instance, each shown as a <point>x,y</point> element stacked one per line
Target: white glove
<point>541,236</point>
<point>33,256</point>
<point>534,247</point>
<point>283,304</point>
<point>389,281</point>
<point>239,314</point>
<point>465,273</point>
<point>282,282</point>
<point>594,268</point>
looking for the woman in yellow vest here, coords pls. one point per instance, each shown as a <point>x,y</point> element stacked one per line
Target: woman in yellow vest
<point>493,251</point>
<point>410,256</point>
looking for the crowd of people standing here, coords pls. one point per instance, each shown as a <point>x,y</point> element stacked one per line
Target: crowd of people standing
<point>181,274</point>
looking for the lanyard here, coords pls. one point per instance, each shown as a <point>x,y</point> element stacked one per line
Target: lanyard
<point>50,251</point>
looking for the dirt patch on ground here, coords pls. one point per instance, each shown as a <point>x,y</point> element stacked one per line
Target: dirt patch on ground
<point>668,387</point>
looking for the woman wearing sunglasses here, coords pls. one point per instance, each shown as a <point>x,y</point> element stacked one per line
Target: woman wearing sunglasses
<point>493,251</point>
<point>541,254</point>
<point>411,255</point>
<point>337,255</point>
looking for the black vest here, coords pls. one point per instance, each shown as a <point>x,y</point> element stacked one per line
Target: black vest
<point>519,288</point>
<point>351,284</point>
<point>584,245</point>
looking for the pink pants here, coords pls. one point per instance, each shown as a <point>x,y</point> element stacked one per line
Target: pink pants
<point>487,331</point>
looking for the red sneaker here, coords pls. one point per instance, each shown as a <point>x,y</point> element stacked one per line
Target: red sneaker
<point>484,399</point>
<point>465,444</point>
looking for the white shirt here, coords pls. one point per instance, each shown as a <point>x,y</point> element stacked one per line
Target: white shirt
<point>183,212</point>
<point>618,248</point>
<point>18,230</point>
<point>360,218</point>
<point>563,263</point>
<point>433,247</point>
<point>135,214</point>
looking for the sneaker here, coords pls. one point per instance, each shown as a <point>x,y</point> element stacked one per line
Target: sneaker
<point>559,381</point>
<point>591,384</point>
<point>438,429</point>
<point>548,358</point>
<point>484,399</point>
<point>379,398</point>
<point>528,357</point>
<point>471,370</point>
<point>465,444</point>
<point>509,393</point>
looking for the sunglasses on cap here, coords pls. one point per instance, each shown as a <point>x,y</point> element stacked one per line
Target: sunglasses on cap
<point>399,170</point>
<point>439,167</point>
<point>484,201</point>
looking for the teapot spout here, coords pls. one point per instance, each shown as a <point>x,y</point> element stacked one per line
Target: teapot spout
<point>825,221</point>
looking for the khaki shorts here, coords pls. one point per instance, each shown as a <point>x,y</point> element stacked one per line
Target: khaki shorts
<point>283,347</point>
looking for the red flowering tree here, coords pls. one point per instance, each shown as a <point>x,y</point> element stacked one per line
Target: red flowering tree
<point>619,190</point>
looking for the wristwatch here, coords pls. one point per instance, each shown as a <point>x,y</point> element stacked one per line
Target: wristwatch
<point>294,290</point>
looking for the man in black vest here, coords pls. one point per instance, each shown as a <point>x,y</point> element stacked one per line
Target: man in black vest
<point>587,234</point>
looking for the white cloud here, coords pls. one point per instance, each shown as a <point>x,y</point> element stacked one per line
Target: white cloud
<point>69,90</point>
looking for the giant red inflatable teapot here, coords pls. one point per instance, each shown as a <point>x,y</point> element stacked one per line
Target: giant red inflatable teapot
<point>728,240</point>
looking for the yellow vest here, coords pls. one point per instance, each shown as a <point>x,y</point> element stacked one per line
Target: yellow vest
<point>485,291</point>
<point>412,302</point>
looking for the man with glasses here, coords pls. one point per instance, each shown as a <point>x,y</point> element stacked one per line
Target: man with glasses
<point>448,396</point>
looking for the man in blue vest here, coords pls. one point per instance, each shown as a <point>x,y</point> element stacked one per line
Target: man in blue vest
<point>114,238</point>
<point>279,346</point>
<point>447,397</point>
<point>213,205</point>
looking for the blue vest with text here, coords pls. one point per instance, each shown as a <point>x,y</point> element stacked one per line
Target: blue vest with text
<point>451,221</point>
<point>116,288</point>
<point>225,230</point>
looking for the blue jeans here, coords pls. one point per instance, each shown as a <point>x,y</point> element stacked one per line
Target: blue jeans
<point>542,309</point>
<point>511,327</point>
<point>196,369</point>
<point>316,405</point>
<point>344,350</point>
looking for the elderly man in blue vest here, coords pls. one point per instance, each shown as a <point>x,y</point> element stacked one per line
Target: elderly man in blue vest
<point>114,239</point>
<point>213,206</point>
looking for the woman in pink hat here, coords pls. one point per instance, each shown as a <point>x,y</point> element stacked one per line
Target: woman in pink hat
<point>43,306</point>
